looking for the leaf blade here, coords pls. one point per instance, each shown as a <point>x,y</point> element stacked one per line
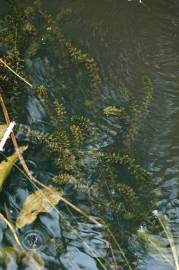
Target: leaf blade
<point>6,166</point>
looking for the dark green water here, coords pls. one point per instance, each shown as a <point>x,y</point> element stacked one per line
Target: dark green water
<point>128,40</point>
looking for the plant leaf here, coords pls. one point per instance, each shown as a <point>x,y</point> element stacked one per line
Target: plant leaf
<point>2,130</point>
<point>6,166</point>
<point>42,200</point>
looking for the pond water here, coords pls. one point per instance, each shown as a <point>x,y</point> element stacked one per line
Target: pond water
<point>128,39</point>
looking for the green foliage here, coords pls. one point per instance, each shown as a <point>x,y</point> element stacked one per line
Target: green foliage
<point>124,186</point>
<point>118,186</point>
<point>132,113</point>
<point>91,66</point>
<point>62,179</point>
<point>138,113</point>
<point>31,30</point>
<point>7,165</point>
<point>66,139</point>
<point>121,186</point>
<point>140,175</point>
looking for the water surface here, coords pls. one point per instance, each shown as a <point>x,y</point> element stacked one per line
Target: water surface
<point>128,39</point>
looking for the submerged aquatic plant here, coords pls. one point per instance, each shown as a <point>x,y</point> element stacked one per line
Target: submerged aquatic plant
<point>24,39</point>
<point>124,186</point>
<point>119,185</point>
<point>66,142</point>
<point>132,113</point>
<point>114,183</point>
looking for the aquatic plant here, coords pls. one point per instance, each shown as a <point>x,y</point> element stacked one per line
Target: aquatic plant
<point>66,142</point>
<point>24,39</point>
<point>116,185</point>
<point>132,113</point>
<point>89,62</point>
<point>139,112</point>
<point>120,186</point>
<point>124,186</point>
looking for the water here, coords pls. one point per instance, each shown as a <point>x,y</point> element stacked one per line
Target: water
<point>128,39</point>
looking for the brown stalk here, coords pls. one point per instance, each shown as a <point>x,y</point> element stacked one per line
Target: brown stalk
<point>113,257</point>
<point>26,169</point>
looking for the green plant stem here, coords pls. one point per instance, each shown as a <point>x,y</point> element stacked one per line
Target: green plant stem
<point>171,241</point>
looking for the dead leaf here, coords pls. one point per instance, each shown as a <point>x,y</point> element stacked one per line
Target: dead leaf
<point>42,200</point>
<point>6,166</point>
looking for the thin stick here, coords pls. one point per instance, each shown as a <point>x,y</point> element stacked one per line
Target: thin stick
<point>27,171</point>
<point>15,73</point>
<point>12,230</point>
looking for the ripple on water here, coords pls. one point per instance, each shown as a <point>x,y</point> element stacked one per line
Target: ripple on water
<point>33,240</point>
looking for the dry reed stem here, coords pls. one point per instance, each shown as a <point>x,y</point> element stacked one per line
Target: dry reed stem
<point>15,73</point>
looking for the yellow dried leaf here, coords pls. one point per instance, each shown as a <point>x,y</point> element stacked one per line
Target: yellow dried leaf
<point>42,200</point>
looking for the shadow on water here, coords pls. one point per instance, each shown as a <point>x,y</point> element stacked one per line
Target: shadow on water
<point>128,40</point>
